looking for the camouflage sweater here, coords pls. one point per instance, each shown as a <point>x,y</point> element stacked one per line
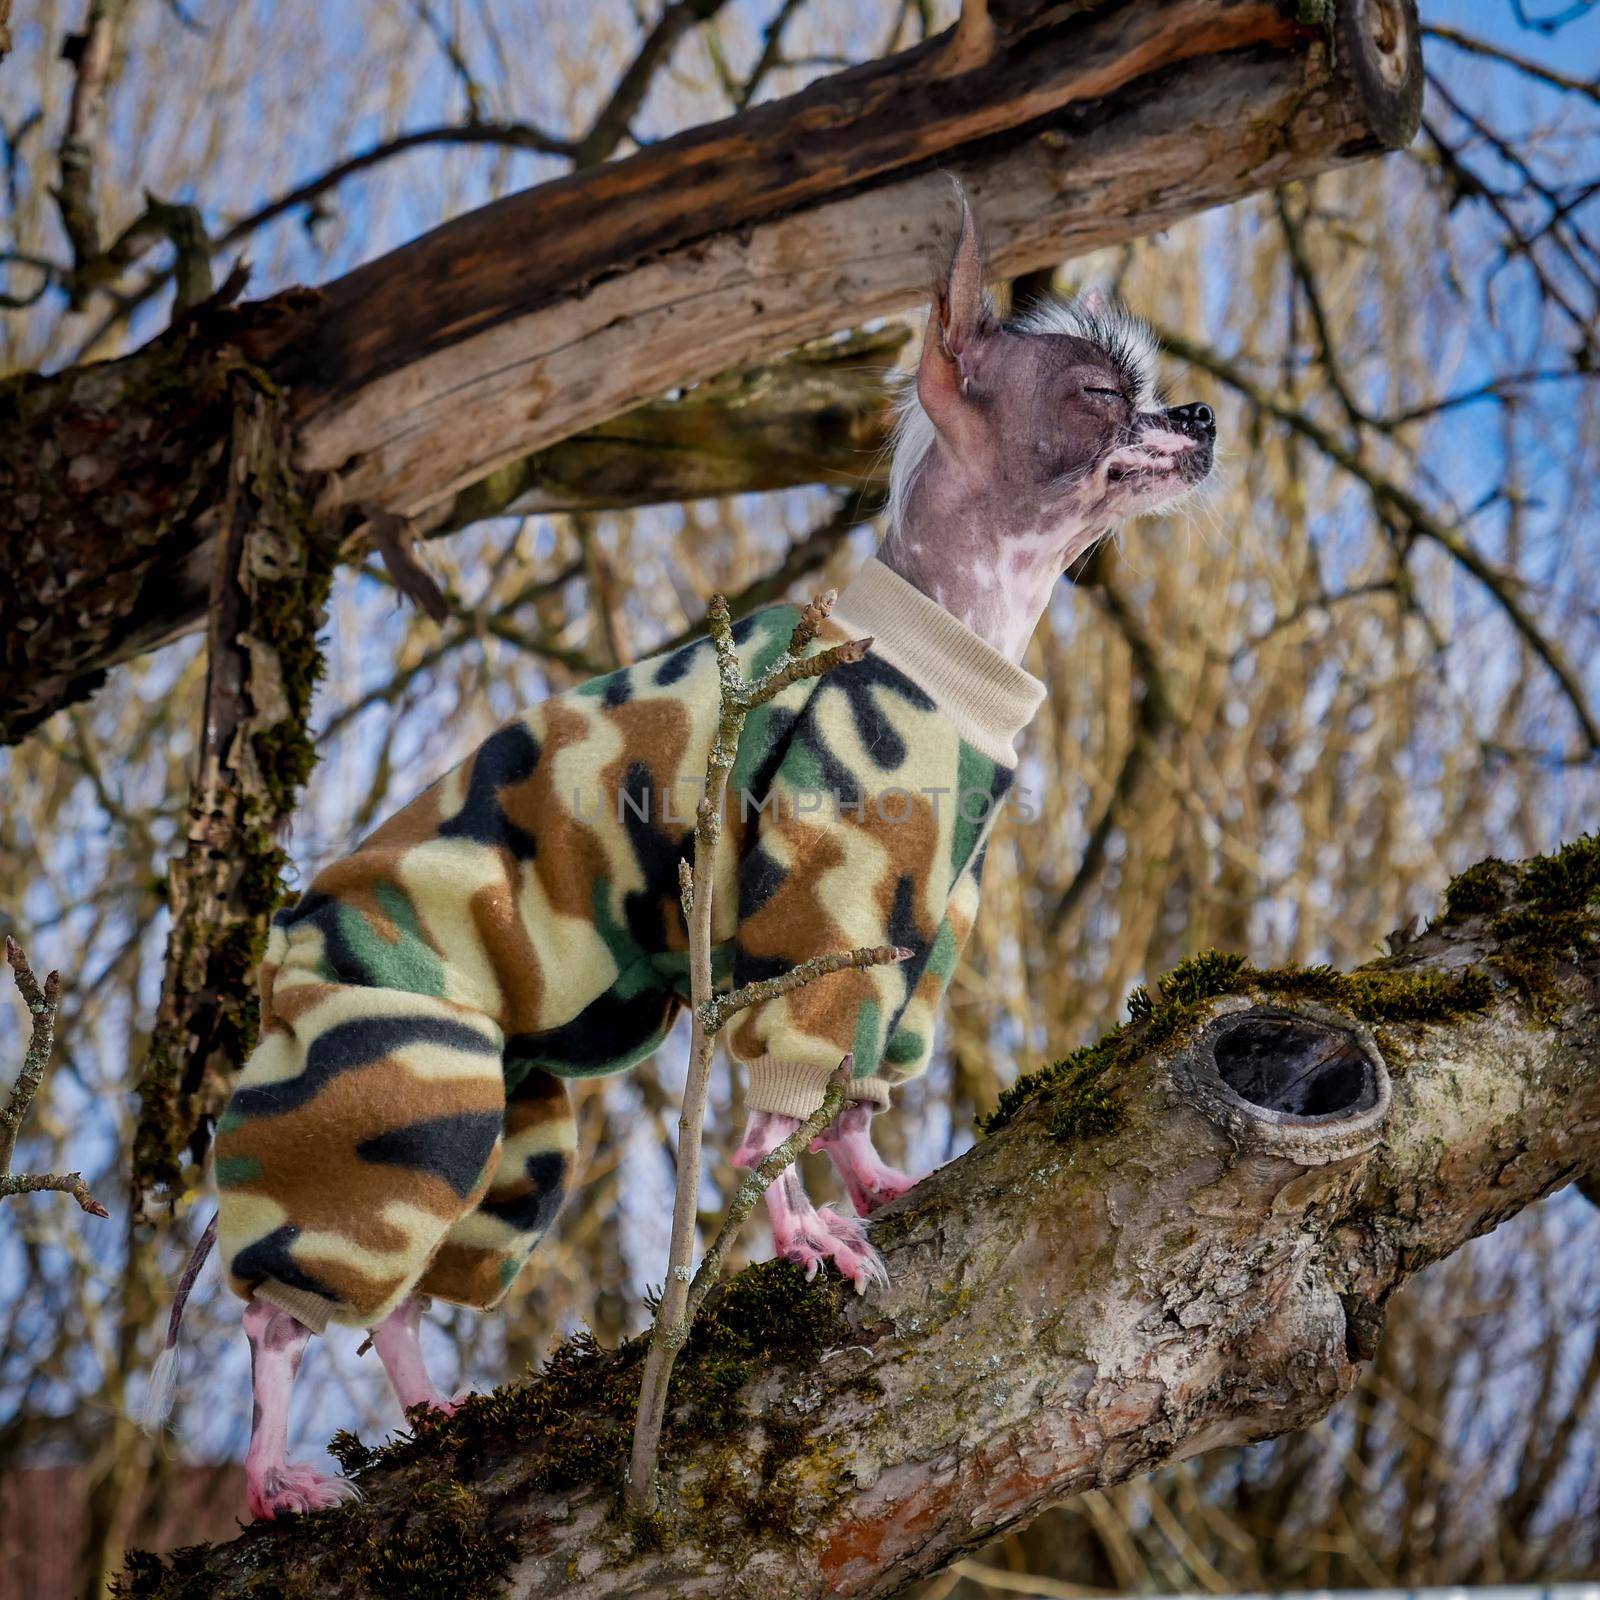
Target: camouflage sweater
<point>537,883</point>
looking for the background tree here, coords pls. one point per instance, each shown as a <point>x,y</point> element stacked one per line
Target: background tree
<point>1275,727</point>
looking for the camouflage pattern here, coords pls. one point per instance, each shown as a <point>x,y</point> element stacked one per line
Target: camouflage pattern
<point>402,1124</point>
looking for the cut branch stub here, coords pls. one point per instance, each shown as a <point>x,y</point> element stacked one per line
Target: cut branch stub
<point>1307,1084</point>
<point>1379,45</point>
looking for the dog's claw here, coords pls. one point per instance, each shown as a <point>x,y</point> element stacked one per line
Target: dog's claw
<point>295,1490</point>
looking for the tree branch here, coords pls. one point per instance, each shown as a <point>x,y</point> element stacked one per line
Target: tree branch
<point>1588,87</point>
<point>614,121</point>
<point>42,1001</point>
<point>712,250</point>
<point>91,54</point>
<point>1180,1238</point>
<point>1154,717</point>
<point>268,592</point>
<point>1393,499</point>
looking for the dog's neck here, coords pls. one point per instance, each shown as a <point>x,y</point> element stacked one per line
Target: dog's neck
<point>995,577</point>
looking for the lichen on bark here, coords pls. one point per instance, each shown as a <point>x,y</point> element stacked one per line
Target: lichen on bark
<point>1063,1313</point>
<point>269,589</point>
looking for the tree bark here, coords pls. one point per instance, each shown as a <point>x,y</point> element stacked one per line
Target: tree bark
<point>267,602</point>
<point>420,374</point>
<point>820,414</point>
<point>1179,1239</point>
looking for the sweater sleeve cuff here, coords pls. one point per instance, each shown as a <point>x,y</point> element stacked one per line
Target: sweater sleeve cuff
<point>796,1088</point>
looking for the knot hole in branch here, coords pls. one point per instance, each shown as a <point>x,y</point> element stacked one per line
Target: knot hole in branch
<point>1305,1084</point>
<point>1294,1065</point>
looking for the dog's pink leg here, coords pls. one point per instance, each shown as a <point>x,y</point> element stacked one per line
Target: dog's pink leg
<point>800,1232</point>
<point>276,1485</point>
<point>398,1341</point>
<point>869,1181</point>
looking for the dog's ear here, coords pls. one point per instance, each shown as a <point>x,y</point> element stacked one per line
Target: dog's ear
<point>960,318</point>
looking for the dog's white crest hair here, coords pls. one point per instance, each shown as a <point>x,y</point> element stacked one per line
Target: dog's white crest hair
<point>1125,338</point>
<point>160,1392</point>
<point>910,440</point>
<point>1108,324</point>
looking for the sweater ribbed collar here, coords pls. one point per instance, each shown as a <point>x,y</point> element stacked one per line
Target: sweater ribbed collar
<point>989,699</point>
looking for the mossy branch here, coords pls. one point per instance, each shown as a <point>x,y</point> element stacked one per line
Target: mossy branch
<point>43,1001</point>
<point>830,1445</point>
<point>269,587</point>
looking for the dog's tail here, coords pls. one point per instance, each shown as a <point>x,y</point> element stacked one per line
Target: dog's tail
<point>162,1388</point>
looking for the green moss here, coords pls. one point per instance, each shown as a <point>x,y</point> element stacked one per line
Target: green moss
<point>435,1538</point>
<point>1534,944</point>
<point>1201,977</point>
<point>1082,1105</point>
<point>1542,912</point>
<point>1079,1092</point>
<point>576,1416</point>
<point>210,1016</point>
<point>1479,888</point>
<point>180,1575</point>
<point>1568,880</point>
<point>440,1545</point>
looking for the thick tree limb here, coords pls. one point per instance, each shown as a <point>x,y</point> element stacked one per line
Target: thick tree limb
<point>562,306</point>
<point>268,589</point>
<point>1179,1239</point>
<point>109,507</point>
<point>820,414</point>
<point>555,310</point>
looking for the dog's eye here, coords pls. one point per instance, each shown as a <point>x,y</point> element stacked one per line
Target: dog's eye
<point>1109,394</point>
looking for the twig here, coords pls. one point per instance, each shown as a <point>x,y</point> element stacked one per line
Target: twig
<point>609,128</point>
<point>394,538</point>
<point>450,45</point>
<point>614,122</point>
<point>1300,263</point>
<point>1392,498</point>
<point>42,1002</point>
<point>738,699</point>
<point>1156,715</point>
<point>90,54</point>
<point>771,1167</point>
<point>1534,69</point>
<point>717,1011</point>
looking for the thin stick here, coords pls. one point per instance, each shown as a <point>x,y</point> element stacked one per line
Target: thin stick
<point>771,1167</point>
<point>738,699</point>
<point>42,1002</point>
<point>724,1006</point>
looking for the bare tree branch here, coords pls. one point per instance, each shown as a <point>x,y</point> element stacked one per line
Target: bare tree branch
<point>91,53</point>
<point>711,250</point>
<point>614,122</point>
<point>1180,1238</point>
<point>1393,498</point>
<point>42,1001</point>
<point>1155,716</point>
<point>1588,87</point>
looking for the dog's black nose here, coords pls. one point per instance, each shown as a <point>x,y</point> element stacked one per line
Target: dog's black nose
<point>1196,419</point>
